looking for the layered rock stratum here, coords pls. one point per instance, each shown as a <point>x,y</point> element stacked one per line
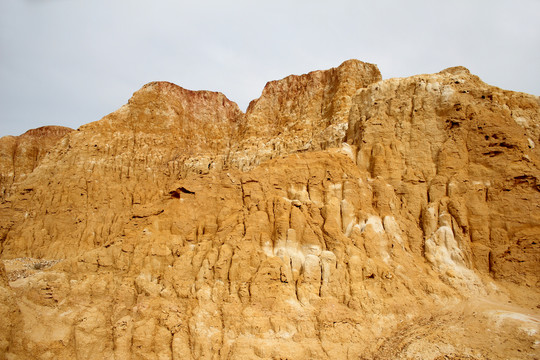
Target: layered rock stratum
<point>341,217</point>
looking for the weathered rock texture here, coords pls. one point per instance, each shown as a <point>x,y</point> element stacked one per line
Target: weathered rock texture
<point>19,155</point>
<point>341,217</point>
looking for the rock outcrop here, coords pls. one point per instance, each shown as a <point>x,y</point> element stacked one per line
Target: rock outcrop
<point>461,158</point>
<point>19,155</point>
<point>342,216</point>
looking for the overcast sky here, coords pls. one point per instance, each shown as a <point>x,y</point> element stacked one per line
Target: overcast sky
<point>70,62</point>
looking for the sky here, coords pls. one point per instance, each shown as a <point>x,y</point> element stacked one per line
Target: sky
<point>70,62</point>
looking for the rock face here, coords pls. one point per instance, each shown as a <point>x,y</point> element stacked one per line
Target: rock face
<point>461,159</point>
<point>341,217</point>
<point>19,155</point>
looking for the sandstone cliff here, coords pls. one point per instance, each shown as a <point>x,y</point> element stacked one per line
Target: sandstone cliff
<point>342,216</point>
<point>19,155</point>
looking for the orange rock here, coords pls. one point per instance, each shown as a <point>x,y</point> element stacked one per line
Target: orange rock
<point>342,216</point>
<point>19,155</point>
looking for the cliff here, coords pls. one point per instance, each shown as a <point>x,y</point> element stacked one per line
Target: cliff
<point>19,155</point>
<point>342,216</point>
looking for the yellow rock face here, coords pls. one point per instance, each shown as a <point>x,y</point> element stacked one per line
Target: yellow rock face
<point>19,155</point>
<point>341,217</point>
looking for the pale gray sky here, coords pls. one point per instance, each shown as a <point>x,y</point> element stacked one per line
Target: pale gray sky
<point>70,62</point>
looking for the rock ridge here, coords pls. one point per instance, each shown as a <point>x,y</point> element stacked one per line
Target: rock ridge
<point>342,216</point>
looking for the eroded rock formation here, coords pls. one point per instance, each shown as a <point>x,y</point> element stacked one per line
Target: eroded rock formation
<point>19,155</point>
<point>341,217</point>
